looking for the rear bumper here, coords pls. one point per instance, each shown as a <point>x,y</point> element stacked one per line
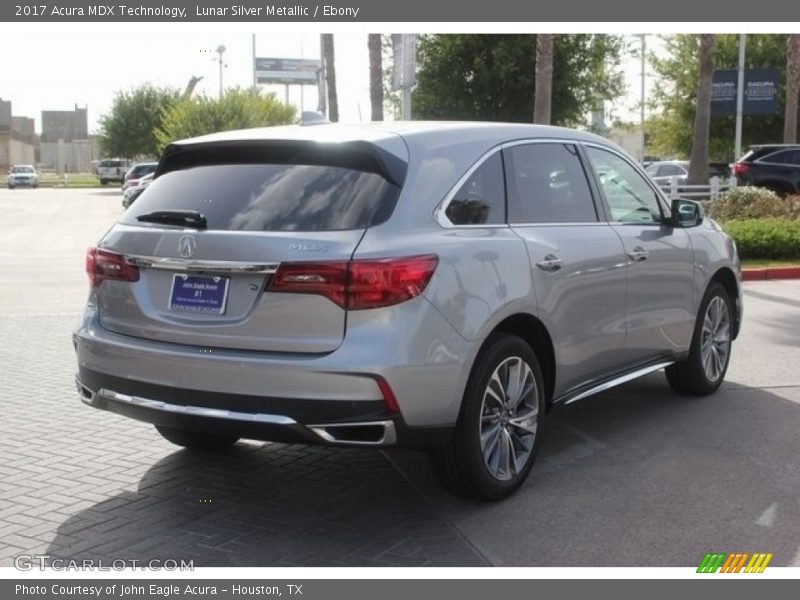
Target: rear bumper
<point>412,348</point>
<point>318,422</point>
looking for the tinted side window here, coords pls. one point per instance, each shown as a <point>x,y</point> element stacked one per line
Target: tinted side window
<point>482,198</point>
<point>270,197</point>
<point>546,184</point>
<point>628,194</point>
<point>787,157</point>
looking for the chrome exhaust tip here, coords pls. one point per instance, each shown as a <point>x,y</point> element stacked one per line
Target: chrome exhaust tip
<point>372,433</point>
<point>87,396</point>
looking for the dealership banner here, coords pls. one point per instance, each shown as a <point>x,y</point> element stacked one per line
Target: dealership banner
<point>760,94</point>
<point>407,11</point>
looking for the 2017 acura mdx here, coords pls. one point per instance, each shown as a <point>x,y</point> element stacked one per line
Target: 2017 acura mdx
<point>429,285</point>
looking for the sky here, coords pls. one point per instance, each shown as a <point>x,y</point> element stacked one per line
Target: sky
<point>58,70</point>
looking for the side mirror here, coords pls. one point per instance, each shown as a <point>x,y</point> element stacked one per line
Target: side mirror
<point>686,213</point>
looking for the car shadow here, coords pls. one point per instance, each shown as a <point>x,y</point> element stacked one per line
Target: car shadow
<point>267,504</point>
<point>636,476</point>
<point>640,476</point>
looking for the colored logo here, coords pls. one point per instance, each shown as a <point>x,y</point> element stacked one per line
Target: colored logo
<point>738,562</point>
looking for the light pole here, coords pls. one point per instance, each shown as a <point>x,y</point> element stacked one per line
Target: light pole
<point>739,98</point>
<point>220,50</point>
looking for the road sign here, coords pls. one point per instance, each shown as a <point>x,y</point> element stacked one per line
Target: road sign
<point>288,71</point>
<point>760,92</point>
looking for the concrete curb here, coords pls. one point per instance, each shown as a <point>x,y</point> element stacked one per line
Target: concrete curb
<point>771,273</point>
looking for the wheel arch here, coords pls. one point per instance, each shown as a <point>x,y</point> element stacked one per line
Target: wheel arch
<point>727,279</point>
<point>533,331</point>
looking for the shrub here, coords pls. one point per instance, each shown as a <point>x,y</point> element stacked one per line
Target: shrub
<point>753,203</point>
<point>773,238</point>
<point>237,109</point>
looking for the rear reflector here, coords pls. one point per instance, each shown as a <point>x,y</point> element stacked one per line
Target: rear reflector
<point>388,395</point>
<point>358,284</point>
<point>102,265</point>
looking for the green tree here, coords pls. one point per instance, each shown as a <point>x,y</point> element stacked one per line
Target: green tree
<point>792,88</point>
<point>375,76</point>
<point>128,131</point>
<point>543,82</point>
<point>491,77</point>
<point>673,100</point>
<point>698,161</point>
<point>237,109</point>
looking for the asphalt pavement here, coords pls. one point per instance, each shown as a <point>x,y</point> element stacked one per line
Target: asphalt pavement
<point>636,476</point>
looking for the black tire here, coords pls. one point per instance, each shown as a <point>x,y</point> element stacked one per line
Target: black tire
<point>197,440</point>
<point>689,376</point>
<point>460,464</point>
<point>779,188</point>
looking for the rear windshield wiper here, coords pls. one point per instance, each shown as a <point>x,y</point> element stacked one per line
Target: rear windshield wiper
<point>181,218</point>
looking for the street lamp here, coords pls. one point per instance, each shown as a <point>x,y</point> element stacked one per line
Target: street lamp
<point>220,50</point>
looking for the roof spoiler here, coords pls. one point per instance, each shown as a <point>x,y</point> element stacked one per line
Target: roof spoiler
<point>358,155</point>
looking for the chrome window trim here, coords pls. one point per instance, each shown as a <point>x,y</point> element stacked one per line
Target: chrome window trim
<point>562,224</point>
<point>445,223</point>
<point>439,213</point>
<point>192,265</point>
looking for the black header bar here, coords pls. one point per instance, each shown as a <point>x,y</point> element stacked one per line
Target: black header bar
<point>450,11</point>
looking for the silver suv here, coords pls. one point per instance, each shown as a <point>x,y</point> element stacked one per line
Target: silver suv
<point>430,285</point>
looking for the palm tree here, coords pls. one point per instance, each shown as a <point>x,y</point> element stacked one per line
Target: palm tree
<point>543,91</point>
<point>698,161</point>
<point>792,88</point>
<point>375,76</point>
<point>330,76</point>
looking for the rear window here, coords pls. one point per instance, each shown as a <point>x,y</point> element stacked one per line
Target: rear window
<point>111,163</point>
<point>272,197</point>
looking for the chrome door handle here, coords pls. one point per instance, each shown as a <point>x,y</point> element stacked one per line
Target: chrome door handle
<point>638,254</point>
<point>550,263</point>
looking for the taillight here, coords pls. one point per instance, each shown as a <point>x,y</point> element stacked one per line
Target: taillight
<point>102,265</point>
<point>376,283</point>
<point>327,279</point>
<point>358,284</point>
<point>740,168</point>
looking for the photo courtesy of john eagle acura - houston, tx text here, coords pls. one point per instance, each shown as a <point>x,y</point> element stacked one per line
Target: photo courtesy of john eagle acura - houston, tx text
<point>434,286</point>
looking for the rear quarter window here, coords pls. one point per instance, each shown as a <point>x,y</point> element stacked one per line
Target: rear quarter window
<point>272,197</point>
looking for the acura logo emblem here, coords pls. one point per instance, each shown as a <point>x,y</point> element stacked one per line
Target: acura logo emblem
<point>187,246</point>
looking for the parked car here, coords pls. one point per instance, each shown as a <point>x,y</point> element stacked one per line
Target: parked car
<point>437,286</point>
<point>773,166</point>
<point>132,193</point>
<point>663,172</point>
<point>111,169</point>
<point>23,175</point>
<point>135,174</point>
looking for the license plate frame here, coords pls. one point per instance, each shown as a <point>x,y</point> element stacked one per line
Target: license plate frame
<point>199,294</point>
